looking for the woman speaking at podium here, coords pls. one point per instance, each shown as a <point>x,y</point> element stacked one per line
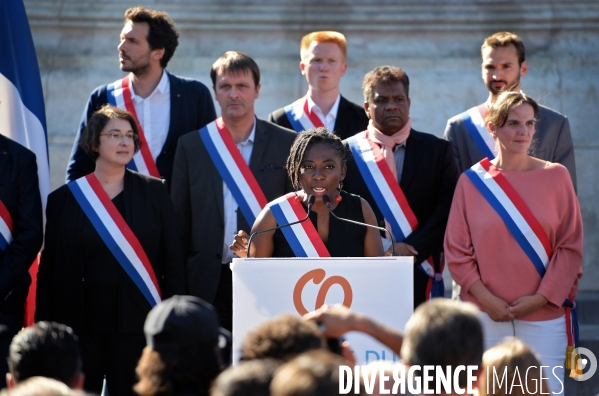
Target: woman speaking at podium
<point>316,167</point>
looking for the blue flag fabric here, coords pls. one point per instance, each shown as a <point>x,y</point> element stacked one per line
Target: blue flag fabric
<point>22,113</point>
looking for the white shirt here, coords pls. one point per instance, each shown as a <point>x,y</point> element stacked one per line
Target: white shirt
<point>154,114</point>
<point>329,119</point>
<point>230,204</point>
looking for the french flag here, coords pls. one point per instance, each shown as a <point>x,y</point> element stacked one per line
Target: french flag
<point>22,113</point>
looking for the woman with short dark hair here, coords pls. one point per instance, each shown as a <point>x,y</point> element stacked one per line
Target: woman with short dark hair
<point>112,251</point>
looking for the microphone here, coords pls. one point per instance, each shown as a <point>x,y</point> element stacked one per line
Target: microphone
<point>311,200</point>
<point>327,202</point>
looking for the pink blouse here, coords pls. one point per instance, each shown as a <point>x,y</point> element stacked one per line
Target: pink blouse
<point>478,244</point>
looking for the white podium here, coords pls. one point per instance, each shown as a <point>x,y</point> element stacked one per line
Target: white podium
<point>380,287</point>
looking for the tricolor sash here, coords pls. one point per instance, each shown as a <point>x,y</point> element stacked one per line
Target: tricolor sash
<point>522,224</point>
<point>518,218</point>
<point>117,235</point>
<point>391,201</point>
<point>119,95</point>
<point>300,117</point>
<point>232,168</point>
<point>5,227</point>
<point>475,124</point>
<point>303,237</point>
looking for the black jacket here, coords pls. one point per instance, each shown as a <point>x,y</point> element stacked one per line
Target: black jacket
<point>197,192</point>
<point>20,194</point>
<point>428,180</point>
<point>351,119</point>
<point>60,283</point>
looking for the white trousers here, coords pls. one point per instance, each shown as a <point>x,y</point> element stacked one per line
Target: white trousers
<point>547,338</point>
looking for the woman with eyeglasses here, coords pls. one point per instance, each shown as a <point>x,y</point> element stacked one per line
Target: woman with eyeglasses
<point>112,252</point>
<point>514,240</point>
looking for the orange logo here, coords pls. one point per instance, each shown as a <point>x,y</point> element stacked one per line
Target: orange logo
<point>317,276</point>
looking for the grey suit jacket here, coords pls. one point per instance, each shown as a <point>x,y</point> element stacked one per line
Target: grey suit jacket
<point>197,192</point>
<point>552,141</point>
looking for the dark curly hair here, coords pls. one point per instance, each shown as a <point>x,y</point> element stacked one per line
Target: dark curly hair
<point>384,75</point>
<point>90,138</point>
<point>162,34</point>
<point>303,142</point>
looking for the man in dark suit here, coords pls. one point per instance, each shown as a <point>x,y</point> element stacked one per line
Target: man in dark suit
<point>323,56</point>
<point>208,206</point>
<point>165,106</point>
<point>20,235</point>
<point>420,163</point>
<point>503,64</point>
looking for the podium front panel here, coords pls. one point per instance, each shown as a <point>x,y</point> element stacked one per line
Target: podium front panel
<point>380,287</point>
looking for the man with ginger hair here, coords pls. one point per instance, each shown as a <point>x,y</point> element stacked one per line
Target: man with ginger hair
<point>503,63</point>
<point>323,57</point>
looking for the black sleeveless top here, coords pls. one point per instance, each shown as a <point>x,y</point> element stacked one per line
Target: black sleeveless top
<point>345,239</point>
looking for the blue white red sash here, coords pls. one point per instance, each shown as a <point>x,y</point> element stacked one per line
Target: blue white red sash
<point>518,218</point>
<point>435,286</point>
<point>117,235</point>
<point>300,116</point>
<point>477,128</point>
<point>303,237</point>
<point>233,169</point>
<point>522,224</point>
<point>391,200</point>
<point>5,227</point>
<point>119,95</point>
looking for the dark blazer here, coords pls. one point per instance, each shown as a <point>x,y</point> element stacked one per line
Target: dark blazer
<point>60,284</point>
<point>428,180</point>
<point>191,108</point>
<point>197,192</point>
<point>552,141</point>
<point>19,192</point>
<point>351,119</point>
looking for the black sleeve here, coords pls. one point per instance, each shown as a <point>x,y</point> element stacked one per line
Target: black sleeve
<point>27,228</point>
<point>428,237</point>
<point>173,266</point>
<point>45,274</point>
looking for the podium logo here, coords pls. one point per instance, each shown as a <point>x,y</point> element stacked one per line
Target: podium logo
<point>587,361</point>
<point>318,275</point>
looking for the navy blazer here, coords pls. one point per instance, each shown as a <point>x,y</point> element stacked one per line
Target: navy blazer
<point>197,192</point>
<point>191,108</point>
<point>428,180</point>
<point>19,192</point>
<point>351,119</point>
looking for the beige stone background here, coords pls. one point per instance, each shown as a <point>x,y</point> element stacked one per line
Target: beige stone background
<point>436,42</point>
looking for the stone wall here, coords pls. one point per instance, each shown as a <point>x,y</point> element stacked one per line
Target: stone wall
<point>437,43</point>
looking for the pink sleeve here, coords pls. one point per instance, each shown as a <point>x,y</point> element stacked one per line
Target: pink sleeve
<point>459,253</point>
<point>565,266</point>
